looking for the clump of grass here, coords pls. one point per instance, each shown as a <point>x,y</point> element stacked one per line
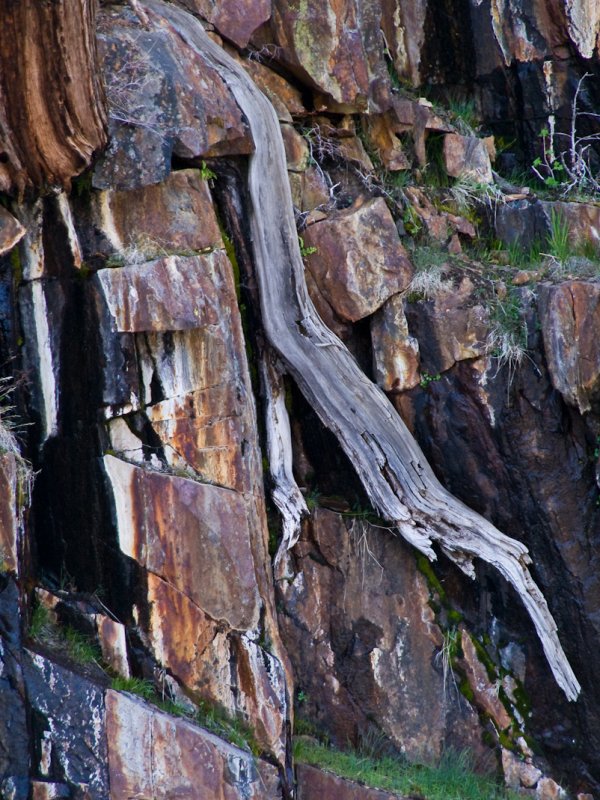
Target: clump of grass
<point>464,114</point>
<point>429,263</point>
<point>75,645</point>
<point>235,730</point>
<point>559,245</point>
<point>507,337</point>
<point>139,686</point>
<point>451,779</point>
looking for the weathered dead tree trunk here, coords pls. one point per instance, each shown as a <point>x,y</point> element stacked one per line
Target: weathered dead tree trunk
<point>52,108</point>
<point>399,481</point>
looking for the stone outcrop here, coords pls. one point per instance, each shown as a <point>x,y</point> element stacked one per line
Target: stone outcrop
<point>130,319</point>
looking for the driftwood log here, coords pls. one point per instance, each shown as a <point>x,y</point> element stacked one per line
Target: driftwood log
<point>399,481</point>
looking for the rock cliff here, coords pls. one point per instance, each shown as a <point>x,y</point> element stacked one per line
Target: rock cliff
<point>300,393</point>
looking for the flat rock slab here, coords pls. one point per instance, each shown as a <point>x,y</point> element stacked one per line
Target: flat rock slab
<point>317,784</point>
<point>194,535</point>
<point>570,320</point>
<point>219,666</point>
<point>340,52</point>
<point>359,261</point>
<point>152,754</point>
<point>176,215</point>
<point>170,294</point>
<point>467,157</point>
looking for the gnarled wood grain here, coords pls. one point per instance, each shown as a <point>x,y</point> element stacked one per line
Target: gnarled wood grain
<point>52,115</point>
<point>394,471</point>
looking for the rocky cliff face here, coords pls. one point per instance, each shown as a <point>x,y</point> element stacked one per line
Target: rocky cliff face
<point>157,636</point>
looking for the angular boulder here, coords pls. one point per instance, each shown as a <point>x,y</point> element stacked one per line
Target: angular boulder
<point>359,261</point>
<point>570,320</point>
<point>209,560</point>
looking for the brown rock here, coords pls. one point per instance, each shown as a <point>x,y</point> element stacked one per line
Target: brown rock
<point>485,693</point>
<point>340,53</point>
<point>11,231</point>
<point>403,24</point>
<point>235,20</point>
<point>309,189</point>
<point>296,149</point>
<point>360,261</point>
<point>209,560</point>
<point>169,294</point>
<point>547,789</point>
<point>382,131</point>
<point>113,643</point>
<point>524,276</point>
<point>582,220</point>
<point>229,670</point>
<point>176,215</point>
<point>529,775</point>
<point>363,642</point>
<point>570,319</point>
<point>151,754</point>
<point>40,144</point>
<point>285,98</point>
<point>10,528</point>
<point>450,327</point>
<point>467,157</point>
<point>150,120</point>
<point>317,784</point>
<point>395,351</point>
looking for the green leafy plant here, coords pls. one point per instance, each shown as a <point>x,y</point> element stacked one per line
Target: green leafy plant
<point>566,162</point>
<point>426,379</point>
<point>306,251</point>
<point>206,172</point>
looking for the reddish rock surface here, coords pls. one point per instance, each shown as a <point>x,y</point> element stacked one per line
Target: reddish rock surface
<point>230,670</point>
<point>467,157</point>
<point>152,754</point>
<point>570,319</point>
<point>451,327</point>
<point>176,215</point>
<point>316,784</point>
<point>359,262</point>
<point>210,559</point>
<point>395,351</point>
<point>11,231</point>
<point>235,20</point>
<point>356,621</point>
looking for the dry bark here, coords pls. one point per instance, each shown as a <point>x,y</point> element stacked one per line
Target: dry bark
<point>399,481</point>
<point>52,109</point>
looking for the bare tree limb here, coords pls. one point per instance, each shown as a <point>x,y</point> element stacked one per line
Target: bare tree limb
<point>399,481</point>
